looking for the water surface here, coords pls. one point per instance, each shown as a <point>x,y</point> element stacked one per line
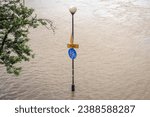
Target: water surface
<point>113,60</point>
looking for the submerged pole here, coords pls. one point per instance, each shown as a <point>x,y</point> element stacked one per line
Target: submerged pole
<point>72,11</point>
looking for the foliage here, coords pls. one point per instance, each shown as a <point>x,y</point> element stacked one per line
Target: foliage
<point>15,21</point>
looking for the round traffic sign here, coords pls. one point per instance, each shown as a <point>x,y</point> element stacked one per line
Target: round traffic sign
<point>72,53</point>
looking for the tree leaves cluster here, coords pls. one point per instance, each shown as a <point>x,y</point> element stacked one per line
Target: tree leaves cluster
<point>15,21</point>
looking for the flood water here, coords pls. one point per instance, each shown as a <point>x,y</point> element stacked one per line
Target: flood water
<point>113,59</point>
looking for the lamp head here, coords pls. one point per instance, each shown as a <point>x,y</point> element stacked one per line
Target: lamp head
<point>72,10</point>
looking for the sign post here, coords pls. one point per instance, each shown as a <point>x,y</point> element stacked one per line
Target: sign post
<point>72,53</point>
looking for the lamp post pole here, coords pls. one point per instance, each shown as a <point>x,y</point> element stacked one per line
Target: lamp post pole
<point>73,84</point>
<point>72,11</point>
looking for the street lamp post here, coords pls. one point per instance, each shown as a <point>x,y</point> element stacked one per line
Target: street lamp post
<point>72,11</point>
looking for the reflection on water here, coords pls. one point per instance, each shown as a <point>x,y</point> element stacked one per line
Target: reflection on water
<point>113,60</point>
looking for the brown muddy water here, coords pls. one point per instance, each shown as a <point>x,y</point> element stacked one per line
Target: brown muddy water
<point>113,60</point>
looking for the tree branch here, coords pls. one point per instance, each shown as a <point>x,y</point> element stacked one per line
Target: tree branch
<point>4,39</point>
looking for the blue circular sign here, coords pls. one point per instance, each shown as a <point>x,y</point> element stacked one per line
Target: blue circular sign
<point>72,53</point>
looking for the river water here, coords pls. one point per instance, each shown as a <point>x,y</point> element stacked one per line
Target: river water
<point>113,59</point>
